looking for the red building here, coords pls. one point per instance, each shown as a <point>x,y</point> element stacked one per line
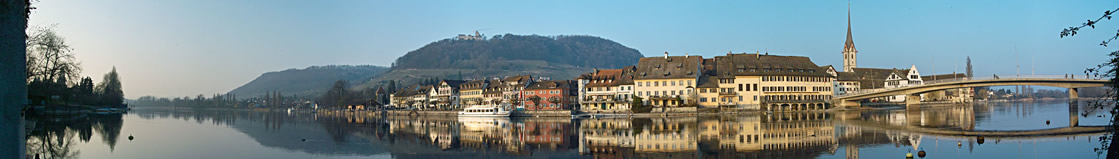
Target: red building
<point>551,95</point>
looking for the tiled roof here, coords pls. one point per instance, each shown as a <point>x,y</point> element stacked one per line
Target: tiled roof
<point>474,84</point>
<point>668,68</point>
<point>871,78</point>
<point>767,65</point>
<point>611,77</point>
<point>707,82</point>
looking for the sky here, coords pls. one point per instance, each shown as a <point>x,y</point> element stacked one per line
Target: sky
<point>175,48</point>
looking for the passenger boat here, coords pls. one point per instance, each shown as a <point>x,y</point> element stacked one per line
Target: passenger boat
<point>485,112</point>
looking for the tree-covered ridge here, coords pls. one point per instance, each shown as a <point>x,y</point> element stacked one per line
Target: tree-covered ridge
<point>307,81</point>
<point>575,50</point>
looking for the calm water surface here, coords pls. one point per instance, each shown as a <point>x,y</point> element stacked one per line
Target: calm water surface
<point>193,133</point>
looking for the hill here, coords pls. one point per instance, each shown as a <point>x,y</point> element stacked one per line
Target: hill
<point>574,50</point>
<point>308,81</point>
<point>557,57</point>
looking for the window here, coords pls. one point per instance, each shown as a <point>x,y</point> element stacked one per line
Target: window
<point>739,87</point>
<point>673,83</point>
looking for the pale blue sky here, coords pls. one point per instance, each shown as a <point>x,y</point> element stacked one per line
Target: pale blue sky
<point>183,48</point>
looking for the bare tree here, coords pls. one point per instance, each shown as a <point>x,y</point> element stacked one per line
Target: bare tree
<point>1107,70</point>
<point>49,57</point>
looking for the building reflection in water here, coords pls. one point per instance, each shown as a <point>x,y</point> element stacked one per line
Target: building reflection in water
<point>760,135</point>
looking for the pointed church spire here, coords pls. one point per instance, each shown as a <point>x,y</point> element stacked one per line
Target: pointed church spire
<point>849,46</point>
<point>850,56</point>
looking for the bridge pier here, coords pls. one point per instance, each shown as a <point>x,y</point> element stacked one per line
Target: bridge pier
<point>846,103</point>
<point>1073,94</point>
<point>912,100</point>
<point>1073,113</point>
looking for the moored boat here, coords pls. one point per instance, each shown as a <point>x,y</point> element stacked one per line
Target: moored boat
<point>485,112</point>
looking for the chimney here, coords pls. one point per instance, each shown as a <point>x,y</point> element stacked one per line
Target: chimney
<point>666,55</point>
<point>596,71</point>
<point>728,53</point>
<point>685,54</point>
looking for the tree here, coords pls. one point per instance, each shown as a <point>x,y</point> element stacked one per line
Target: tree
<point>535,101</point>
<point>1108,70</point>
<point>110,89</point>
<point>638,106</point>
<point>969,71</point>
<point>555,100</point>
<point>337,95</point>
<point>49,57</point>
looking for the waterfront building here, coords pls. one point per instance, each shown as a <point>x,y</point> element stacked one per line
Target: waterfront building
<point>667,81</point>
<point>876,78</point>
<point>552,94</point>
<point>471,92</point>
<point>606,90</point>
<point>511,90</point>
<point>447,95</point>
<point>492,94</point>
<point>770,82</point>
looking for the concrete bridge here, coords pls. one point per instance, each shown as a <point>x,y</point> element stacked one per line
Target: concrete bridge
<point>913,92</point>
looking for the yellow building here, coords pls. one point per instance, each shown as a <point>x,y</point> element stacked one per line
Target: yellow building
<point>471,92</point>
<point>667,81</point>
<point>770,82</point>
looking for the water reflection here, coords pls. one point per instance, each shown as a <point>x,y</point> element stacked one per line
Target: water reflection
<point>870,134</point>
<point>54,136</point>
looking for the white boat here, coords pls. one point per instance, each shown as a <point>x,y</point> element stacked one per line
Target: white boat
<point>485,112</point>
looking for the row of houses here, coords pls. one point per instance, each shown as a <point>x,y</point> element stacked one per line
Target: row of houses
<point>520,92</point>
<point>751,81</point>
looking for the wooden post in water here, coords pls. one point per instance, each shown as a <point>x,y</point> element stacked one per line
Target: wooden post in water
<point>13,77</point>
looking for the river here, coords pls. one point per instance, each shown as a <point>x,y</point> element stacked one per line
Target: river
<point>888,133</point>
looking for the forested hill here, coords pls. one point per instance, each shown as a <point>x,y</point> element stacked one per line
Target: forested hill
<point>575,50</point>
<point>308,81</point>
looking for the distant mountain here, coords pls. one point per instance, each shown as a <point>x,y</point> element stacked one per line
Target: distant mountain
<point>557,57</point>
<point>308,81</point>
<point>575,50</point>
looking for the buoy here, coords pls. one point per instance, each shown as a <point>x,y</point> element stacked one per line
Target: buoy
<point>958,144</point>
<point>304,140</point>
<point>1046,122</point>
<point>908,155</point>
<point>979,140</point>
<point>921,153</point>
<point>130,137</point>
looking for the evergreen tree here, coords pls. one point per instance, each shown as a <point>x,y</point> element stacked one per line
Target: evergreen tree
<point>110,89</point>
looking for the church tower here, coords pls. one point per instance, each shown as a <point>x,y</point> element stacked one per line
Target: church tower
<point>849,52</point>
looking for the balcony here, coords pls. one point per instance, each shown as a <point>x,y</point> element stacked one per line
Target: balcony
<point>728,93</point>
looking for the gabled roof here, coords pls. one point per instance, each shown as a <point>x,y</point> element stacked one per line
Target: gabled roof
<point>550,84</point>
<point>871,78</point>
<point>517,81</point>
<point>707,82</point>
<point>767,65</point>
<point>474,84</point>
<point>610,77</point>
<point>846,76</point>
<point>453,83</point>
<point>669,67</point>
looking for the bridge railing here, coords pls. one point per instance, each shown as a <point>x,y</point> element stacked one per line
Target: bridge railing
<point>962,79</point>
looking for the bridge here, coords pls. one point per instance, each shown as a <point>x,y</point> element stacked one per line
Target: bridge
<point>913,92</point>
